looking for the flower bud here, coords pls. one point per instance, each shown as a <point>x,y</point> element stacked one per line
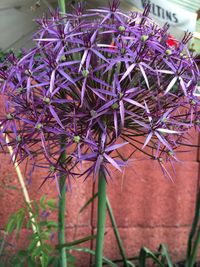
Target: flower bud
<point>93,113</point>
<point>193,102</point>
<point>9,116</point>
<point>170,153</point>
<point>115,106</point>
<point>18,138</point>
<point>46,100</point>
<point>85,73</point>
<point>76,139</point>
<point>144,38</point>
<point>20,90</point>
<point>52,168</point>
<point>121,28</point>
<point>38,126</point>
<point>168,52</point>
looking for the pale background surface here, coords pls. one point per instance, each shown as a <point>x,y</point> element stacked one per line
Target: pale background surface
<point>17,25</point>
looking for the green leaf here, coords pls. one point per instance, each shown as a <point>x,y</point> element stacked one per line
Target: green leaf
<point>88,202</point>
<point>51,203</point>
<point>70,258</point>
<point>35,236</point>
<point>164,252</point>
<point>44,260</point>
<point>42,223</point>
<point>22,253</point>
<point>20,221</point>
<point>12,187</point>
<point>30,262</point>
<point>28,224</point>
<point>21,264</point>
<point>36,252</point>
<point>10,225</point>
<point>130,264</point>
<point>52,224</point>
<point>32,245</point>
<point>35,210</point>
<point>45,235</point>
<point>142,258</point>
<point>47,248</point>
<point>92,252</point>
<point>42,200</point>
<point>146,253</point>
<point>54,261</point>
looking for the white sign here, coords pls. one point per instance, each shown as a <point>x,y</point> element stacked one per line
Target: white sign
<point>164,11</point>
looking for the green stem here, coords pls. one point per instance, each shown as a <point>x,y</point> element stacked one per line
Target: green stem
<point>194,225</point>
<point>195,250</point>
<point>114,225</point>
<point>101,220</point>
<point>61,4</point>
<point>62,186</point>
<point>61,208</point>
<point>190,247</point>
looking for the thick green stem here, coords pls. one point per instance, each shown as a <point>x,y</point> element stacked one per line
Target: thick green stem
<point>61,4</point>
<point>61,208</point>
<point>101,220</point>
<point>62,186</point>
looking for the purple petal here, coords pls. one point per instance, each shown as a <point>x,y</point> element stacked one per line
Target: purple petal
<point>163,141</point>
<point>112,161</point>
<point>183,85</point>
<point>148,139</point>
<point>55,116</point>
<point>129,69</point>
<point>83,59</point>
<point>83,90</point>
<point>170,85</point>
<point>116,146</point>
<point>106,106</point>
<point>144,75</point>
<point>115,122</point>
<point>148,112</point>
<point>64,74</point>
<point>122,112</point>
<point>162,130</point>
<point>99,54</point>
<point>52,81</point>
<point>133,102</point>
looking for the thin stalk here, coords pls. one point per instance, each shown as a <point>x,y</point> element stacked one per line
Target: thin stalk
<point>114,225</point>
<point>22,184</point>
<point>101,220</point>
<point>193,246</point>
<point>194,226</point>
<point>195,250</point>
<point>33,220</point>
<point>62,6</point>
<point>61,208</point>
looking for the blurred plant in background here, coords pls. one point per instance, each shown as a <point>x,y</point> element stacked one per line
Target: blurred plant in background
<point>40,249</point>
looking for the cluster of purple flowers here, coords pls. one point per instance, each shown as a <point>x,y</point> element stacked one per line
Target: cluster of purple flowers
<point>97,81</point>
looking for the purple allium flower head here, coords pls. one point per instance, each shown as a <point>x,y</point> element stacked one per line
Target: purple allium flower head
<point>99,80</point>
